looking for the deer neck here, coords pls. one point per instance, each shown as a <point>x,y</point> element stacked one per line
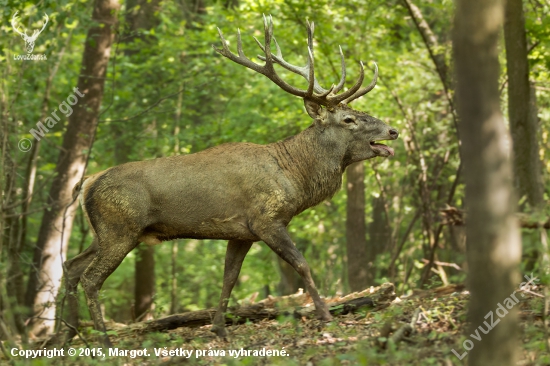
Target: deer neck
<point>313,161</point>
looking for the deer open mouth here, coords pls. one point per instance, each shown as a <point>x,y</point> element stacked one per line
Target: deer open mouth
<point>381,149</point>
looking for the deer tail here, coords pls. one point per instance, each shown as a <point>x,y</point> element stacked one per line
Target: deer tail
<point>78,186</point>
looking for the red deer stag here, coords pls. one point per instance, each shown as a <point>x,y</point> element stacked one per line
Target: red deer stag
<point>240,192</point>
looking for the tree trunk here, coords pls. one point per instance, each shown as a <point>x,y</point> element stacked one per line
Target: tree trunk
<point>10,239</point>
<point>356,242</point>
<point>492,237</point>
<point>437,53</point>
<point>290,280</point>
<point>523,124</point>
<point>46,272</point>
<point>145,282</point>
<point>141,15</point>
<point>379,237</point>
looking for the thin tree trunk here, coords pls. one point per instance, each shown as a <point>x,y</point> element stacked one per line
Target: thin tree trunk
<point>174,279</point>
<point>142,16</point>
<point>356,242</point>
<point>430,40</point>
<point>46,272</point>
<point>492,236</point>
<point>523,124</point>
<point>10,237</point>
<point>145,282</point>
<point>437,53</point>
<point>174,263</point>
<point>379,237</point>
<point>5,163</point>
<point>290,281</point>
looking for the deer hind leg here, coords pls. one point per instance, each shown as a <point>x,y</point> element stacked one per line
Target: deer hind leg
<point>281,243</point>
<point>74,269</point>
<point>112,250</point>
<point>234,257</point>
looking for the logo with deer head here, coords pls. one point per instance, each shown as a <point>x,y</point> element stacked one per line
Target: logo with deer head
<point>29,40</point>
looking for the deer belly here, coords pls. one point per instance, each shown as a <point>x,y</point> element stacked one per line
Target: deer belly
<point>224,228</point>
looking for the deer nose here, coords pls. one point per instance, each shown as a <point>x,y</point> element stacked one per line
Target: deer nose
<point>393,133</point>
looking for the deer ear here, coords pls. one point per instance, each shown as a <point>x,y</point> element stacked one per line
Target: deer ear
<point>314,110</point>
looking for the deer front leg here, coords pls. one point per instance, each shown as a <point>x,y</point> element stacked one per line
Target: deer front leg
<point>234,257</point>
<point>281,243</point>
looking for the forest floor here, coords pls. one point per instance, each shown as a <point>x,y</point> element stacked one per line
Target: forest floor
<point>421,329</point>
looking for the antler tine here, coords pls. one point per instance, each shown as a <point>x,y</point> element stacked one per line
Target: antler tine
<point>241,59</point>
<point>330,90</point>
<point>300,70</point>
<point>268,33</point>
<point>311,76</point>
<point>310,60</point>
<point>303,71</point>
<point>364,90</point>
<point>239,43</point>
<point>267,69</point>
<point>310,31</point>
<point>340,85</point>
<point>224,42</point>
<point>348,93</point>
<point>279,53</point>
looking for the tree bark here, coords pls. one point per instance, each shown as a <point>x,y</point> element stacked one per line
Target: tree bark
<point>10,239</point>
<point>46,272</point>
<point>141,15</point>
<point>290,280</point>
<point>492,236</point>
<point>145,282</point>
<point>356,242</point>
<point>430,40</point>
<point>522,115</point>
<point>379,237</point>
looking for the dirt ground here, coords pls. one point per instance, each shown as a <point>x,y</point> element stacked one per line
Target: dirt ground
<point>421,329</point>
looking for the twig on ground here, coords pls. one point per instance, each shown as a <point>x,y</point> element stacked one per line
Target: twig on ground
<point>406,329</point>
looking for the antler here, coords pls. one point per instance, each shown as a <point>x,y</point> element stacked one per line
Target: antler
<point>13,20</point>
<point>314,92</point>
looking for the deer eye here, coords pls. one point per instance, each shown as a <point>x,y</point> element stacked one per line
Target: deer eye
<point>349,120</point>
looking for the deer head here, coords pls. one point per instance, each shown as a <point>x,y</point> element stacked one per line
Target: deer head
<point>29,40</point>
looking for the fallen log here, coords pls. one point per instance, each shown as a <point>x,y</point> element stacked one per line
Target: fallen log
<point>375,298</point>
<point>297,305</point>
